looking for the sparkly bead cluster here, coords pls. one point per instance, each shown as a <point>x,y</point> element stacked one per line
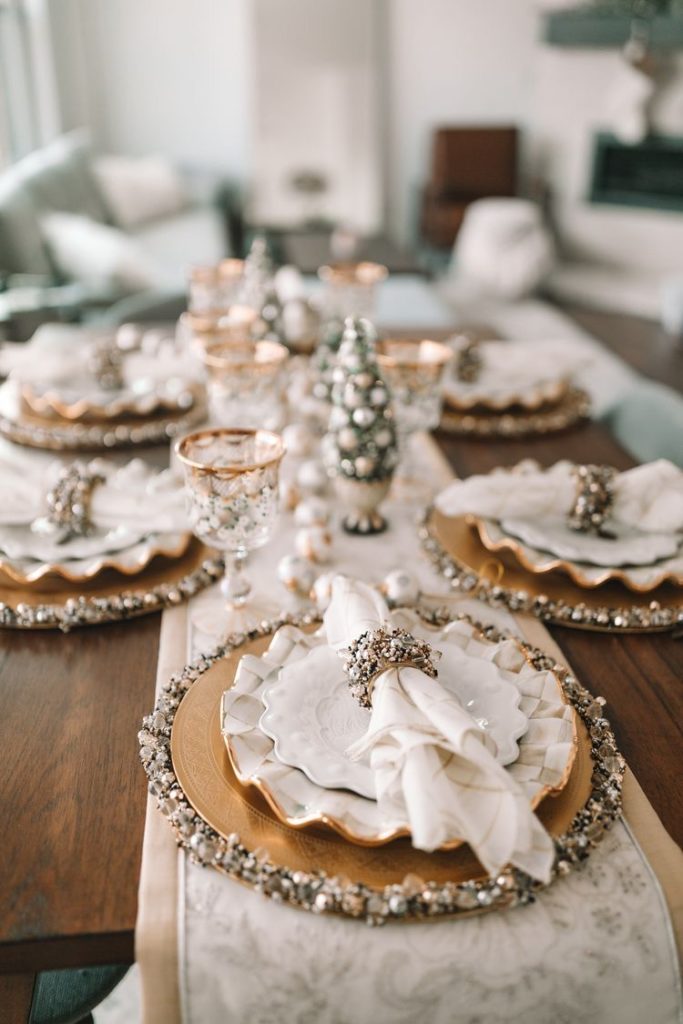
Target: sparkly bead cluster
<point>68,502</point>
<point>105,363</point>
<point>594,498</point>
<point>378,649</point>
<point>464,580</point>
<point>87,611</point>
<point>79,436</point>
<point>413,898</point>
<point>469,362</point>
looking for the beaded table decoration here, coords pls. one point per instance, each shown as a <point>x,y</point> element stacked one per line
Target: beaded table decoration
<point>325,888</point>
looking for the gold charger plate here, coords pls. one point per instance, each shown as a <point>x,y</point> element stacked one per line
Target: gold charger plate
<point>204,772</point>
<point>37,577</point>
<point>24,427</point>
<point>51,406</point>
<point>458,553</point>
<point>551,563</point>
<point>319,819</point>
<point>572,408</point>
<point>109,597</point>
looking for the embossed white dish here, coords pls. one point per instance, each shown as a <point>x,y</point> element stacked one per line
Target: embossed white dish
<point>628,547</point>
<point>543,765</point>
<point>312,718</point>
<point>639,578</point>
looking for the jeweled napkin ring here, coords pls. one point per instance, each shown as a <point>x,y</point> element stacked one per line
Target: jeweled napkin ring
<point>594,498</point>
<point>68,502</point>
<point>105,363</point>
<point>376,650</point>
<point>469,362</point>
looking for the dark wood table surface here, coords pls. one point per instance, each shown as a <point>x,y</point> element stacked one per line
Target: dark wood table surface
<point>72,794</point>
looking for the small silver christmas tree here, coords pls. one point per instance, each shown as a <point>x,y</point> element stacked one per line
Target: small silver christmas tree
<point>361,449</point>
<point>259,290</point>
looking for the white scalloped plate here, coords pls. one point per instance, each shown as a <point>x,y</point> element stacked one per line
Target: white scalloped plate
<point>542,767</point>
<point>312,717</point>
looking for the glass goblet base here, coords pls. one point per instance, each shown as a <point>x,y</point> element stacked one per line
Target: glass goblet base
<point>216,615</point>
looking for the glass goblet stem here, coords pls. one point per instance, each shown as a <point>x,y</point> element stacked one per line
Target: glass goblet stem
<point>235,587</point>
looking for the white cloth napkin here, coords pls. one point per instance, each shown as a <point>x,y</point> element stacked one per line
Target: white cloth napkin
<point>511,367</point>
<point>648,498</point>
<point>434,766</point>
<point>59,359</point>
<point>132,495</point>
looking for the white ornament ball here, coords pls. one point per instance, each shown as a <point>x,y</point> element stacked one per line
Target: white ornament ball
<point>383,438</point>
<point>298,439</point>
<point>321,592</point>
<point>314,543</point>
<point>312,511</point>
<point>296,573</point>
<point>312,477</point>
<point>347,439</point>
<point>290,494</point>
<point>364,465</point>
<point>378,395</point>
<point>400,588</point>
<point>364,417</point>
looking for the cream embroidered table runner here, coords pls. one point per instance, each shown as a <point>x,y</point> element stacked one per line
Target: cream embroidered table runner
<point>598,945</point>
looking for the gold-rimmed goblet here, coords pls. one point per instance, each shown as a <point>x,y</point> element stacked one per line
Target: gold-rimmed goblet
<point>231,483</point>
<point>217,325</point>
<point>245,381</point>
<point>414,371</point>
<point>351,288</point>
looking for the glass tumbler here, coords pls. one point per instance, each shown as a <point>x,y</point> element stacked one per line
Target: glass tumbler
<point>245,382</point>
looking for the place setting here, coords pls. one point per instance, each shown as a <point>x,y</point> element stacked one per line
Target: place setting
<point>78,390</point>
<point>580,545</point>
<point>83,543</point>
<point>511,388</point>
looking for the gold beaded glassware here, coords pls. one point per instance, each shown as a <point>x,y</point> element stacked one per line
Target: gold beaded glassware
<point>245,381</point>
<point>231,482</point>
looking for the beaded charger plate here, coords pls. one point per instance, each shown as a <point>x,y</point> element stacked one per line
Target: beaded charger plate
<point>572,408</point>
<point>232,829</point>
<point>110,598</point>
<point>458,553</point>
<point>27,428</point>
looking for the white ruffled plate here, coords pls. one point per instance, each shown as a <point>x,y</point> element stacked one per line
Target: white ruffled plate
<point>538,559</point>
<point>629,547</point>
<point>313,719</point>
<point>543,764</point>
<point>128,559</point>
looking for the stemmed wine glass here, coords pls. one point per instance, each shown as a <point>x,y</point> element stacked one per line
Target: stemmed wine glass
<point>414,371</point>
<point>245,382</point>
<point>231,483</point>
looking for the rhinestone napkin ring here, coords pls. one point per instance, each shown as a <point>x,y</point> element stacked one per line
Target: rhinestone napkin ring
<point>68,502</point>
<point>376,650</point>
<point>594,498</point>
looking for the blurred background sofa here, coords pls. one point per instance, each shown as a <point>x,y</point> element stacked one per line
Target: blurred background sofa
<point>105,238</point>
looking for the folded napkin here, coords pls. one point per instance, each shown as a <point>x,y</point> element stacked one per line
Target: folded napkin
<point>514,366</point>
<point>60,360</point>
<point>648,498</point>
<point>132,495</point>
<point>434,766</point>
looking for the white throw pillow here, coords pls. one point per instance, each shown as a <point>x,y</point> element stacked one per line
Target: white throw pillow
<point>139,189</point>
<point>96,254</point>
<point>503,247</point>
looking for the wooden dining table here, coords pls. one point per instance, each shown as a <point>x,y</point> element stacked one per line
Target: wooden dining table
<point>72,793</point>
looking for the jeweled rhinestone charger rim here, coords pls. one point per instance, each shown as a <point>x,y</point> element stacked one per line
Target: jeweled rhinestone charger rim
<point>413,899</point>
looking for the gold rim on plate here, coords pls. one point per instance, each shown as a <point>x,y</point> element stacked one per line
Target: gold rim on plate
<point>457,553</point>
<point>546,393</point>
<point>49,405</point>
<point>552,563</point>
<point>206,776</point>
<point>163,584</point>
<point>327,821</point>
<point>107,561</point>
<point>572,409</point>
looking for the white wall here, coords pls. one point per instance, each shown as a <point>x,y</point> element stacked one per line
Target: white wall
<point>451,62</point>
<point>159,76</point>
<point>574,98</point>
<point>316,109</point>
